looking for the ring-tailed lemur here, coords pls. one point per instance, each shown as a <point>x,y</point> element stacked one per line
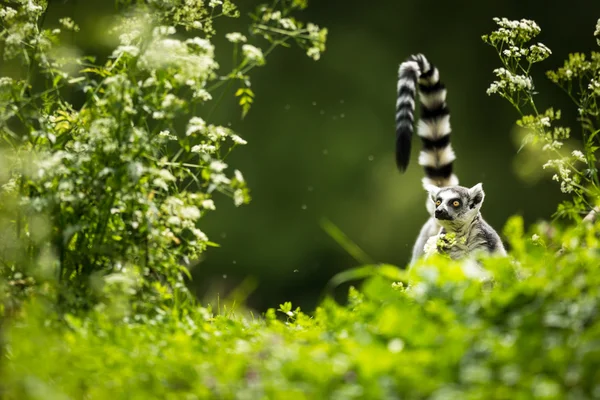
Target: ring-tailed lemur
<point>454,209</point>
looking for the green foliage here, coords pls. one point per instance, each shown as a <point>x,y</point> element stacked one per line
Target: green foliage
<point>107,195</point>
<point>112,186</point>
<point>576,170</point>
<point>526,327</point>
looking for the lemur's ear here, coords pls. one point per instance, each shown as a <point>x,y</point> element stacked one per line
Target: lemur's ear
<point>476,195</point>
<point>432,190</point>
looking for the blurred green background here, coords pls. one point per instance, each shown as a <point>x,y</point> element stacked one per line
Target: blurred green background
<point>321,136</point>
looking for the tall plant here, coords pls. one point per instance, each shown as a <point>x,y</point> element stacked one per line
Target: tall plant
<point>575,169</point>
<point>108,186</point>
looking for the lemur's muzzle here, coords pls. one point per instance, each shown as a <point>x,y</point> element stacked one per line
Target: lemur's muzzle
<point>442,214</point>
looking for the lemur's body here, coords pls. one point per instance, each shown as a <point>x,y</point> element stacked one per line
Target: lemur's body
<point>454,209</point>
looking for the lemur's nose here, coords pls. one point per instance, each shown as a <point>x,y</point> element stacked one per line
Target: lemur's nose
<point>440,213</point>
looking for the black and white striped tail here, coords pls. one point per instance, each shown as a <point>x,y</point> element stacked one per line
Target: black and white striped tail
<point>433,127</point>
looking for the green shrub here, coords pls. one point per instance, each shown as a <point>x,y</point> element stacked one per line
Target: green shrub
<point>451,334</point>
<point>113,185</point>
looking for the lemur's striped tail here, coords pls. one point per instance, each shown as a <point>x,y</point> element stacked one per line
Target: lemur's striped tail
<point>433,128</point>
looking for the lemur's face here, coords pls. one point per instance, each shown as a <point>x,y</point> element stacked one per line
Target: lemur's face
<point>456,205</point>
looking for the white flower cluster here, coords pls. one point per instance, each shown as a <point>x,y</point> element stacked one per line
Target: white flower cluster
<point>167,135</point>
<point>594,86</point>
<point>317,37</point>
<point>181,216</point>
<point>535,53</point>
<point>238,197</point>
<point>552,145</point>
<point>563,176</point>
<point>128,49</point>
<point>514,52</point>
<point>69,24</point>
<point>218,166</point>
<point>235,37</point>
<point>196,125</point>
<point>238,176</point>
<point>33,8</point>
<point>214,133</point>
<point>191,62</point>
<point>579,156</point>
<point>163,177</point>
<point>538,52</point>
<point>510,83</point>
<point>6,81</point>
<point>204,148</point>
<point>208,204</point>
<point>7,13</point>
<point>513,32</point>
<point>253,54</point>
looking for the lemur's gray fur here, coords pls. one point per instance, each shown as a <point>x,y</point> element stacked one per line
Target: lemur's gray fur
<point>454,209</point>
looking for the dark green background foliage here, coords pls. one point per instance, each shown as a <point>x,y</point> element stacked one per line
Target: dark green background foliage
<point>321,136</point>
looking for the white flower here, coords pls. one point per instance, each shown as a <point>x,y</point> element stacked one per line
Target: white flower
<point>7,13</point>
<point>395,345</point>
<point>135,170</point>
<point>202,94</point>
<point>238,197</point>
<point>167,135</point>
<point>220,179</point>
<point>510,82</point>
<point>538,52</point>
<point>199,235</point>
<point>235,37</point>
<point>578,155</point>
<point>566,187</point>
<point>238,140</point>
<point>174,220</point>
<point>214,3</point>
<point>69,24</point>
<point>287,23</point>
<point>216,133</point>
<point>201,43</point>
<point>166,175</point>
<point>314,53</point>
<point>204,148</point>
<point>253,54</point>
<point>208,204</point>
<point>218,165</point>
<point>190,212</point>
<point>170,101</point>
<point>163,31</point>
<point>238,176</point>
<point>196,125</point>
<point>33,8</point>
<point>6,81</point>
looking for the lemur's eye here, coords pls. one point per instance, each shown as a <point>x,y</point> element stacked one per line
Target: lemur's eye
<point>437,203</point>
<point>456,203</point>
